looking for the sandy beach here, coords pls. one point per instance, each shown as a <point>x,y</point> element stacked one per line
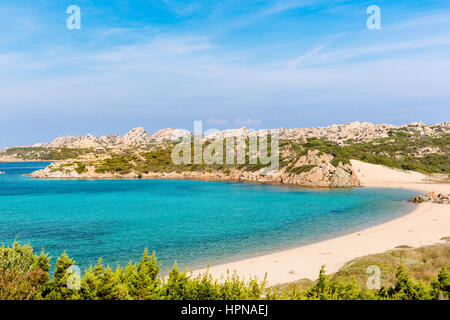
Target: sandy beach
<point>425,225</point>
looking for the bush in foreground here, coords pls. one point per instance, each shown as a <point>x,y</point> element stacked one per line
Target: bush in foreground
<point>25,275</point>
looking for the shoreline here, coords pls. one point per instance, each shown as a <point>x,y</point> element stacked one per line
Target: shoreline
<point>199,176</point>
<point>230,180</point>
<point>427,224</point>
<point>225,261</point>
<point>24,161</point>
<point>304,261</point>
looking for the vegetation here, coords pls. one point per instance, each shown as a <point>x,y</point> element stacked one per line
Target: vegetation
<point>423,264</point>
<point>160,160</point>
<point>301,169</point>
<point>120,164</point>
<point>25,275</point>
<point>400,150</point>
<point>406,152</point>
<point>43,153</point>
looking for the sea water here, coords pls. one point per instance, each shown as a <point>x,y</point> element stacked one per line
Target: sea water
<point>196,223</point>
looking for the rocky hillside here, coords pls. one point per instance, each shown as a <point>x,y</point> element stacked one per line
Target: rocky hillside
<point>341,134</point>
<point>316,157</point>
<point>298,166</point>
<point>135,137</point>
<point>349,132</point>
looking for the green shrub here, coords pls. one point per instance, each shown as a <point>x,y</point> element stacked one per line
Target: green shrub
<point>301,169</point>
<point>24,275</point>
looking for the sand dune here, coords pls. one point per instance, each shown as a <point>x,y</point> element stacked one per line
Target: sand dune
<point>427,224</point>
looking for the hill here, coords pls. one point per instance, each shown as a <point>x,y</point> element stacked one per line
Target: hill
<point>315,157</point>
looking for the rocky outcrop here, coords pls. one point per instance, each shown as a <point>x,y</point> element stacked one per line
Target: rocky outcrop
<point>432,197</point>
<point>135,137</point>
<point>340,133</point>
<point>170,134</point>
<point>360,131</point>
<point>324,175</point>
<point>88,141</point>
<point>304,167</point>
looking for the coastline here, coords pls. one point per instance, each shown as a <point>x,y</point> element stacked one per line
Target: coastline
<point>427,224</point>
<point>199,178</point>
<point>23,161</point>
<point>316,178</point>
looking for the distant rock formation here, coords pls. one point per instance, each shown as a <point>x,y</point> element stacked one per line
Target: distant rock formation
<point>135,137</point>
<point>339,133</point>
<point>170,134</point>
<point>359,131</point>
<point>302,166</point>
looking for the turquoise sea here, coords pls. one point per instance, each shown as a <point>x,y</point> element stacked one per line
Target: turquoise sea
<point>195,223</point>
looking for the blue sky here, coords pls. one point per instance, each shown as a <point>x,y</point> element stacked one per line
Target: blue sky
<point>259,64</point>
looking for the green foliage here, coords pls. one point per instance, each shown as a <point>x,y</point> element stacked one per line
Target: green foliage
<point>441,285</point>
<point>160,160</point>
<point>301,169</point>
<point>423,264</point>
<point>24,275</point>
<point>326,289</point>
<point>80,167</point>
<point>57,288</point>
<point>406,288</point>
<point>44,153</point>
<point>119,164</point>
<point>401,150</point>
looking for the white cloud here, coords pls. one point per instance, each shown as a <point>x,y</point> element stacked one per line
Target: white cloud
<point>191,76</point>
<point>281,6</point>
<point>248,122</point>
<point>315,57</point>
<point>161,45</point>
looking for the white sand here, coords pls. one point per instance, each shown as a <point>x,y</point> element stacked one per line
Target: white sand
<point>427,224</point>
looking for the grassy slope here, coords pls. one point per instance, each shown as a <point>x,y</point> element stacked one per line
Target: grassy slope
<point>423,263</point>
<point>401,150</point>
<point>42,153</point>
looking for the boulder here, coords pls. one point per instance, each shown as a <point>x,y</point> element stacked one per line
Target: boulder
<point>432,197</point>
